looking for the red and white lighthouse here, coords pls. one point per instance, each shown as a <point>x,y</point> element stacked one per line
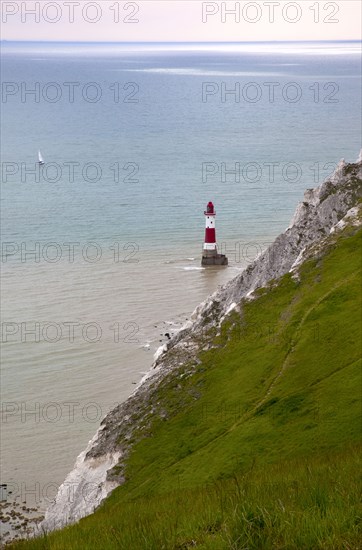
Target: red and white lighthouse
<point>210,232</point>
<point>210,255</point>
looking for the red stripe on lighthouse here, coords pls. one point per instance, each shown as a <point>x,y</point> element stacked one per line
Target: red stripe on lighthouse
<point>210,235</point>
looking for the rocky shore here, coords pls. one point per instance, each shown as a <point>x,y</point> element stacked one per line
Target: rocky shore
<point>18,520</point>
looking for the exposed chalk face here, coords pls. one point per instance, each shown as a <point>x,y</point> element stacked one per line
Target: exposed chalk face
<point>83,489</point>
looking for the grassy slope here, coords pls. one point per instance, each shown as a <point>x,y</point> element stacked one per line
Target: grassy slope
<point>263,453</point>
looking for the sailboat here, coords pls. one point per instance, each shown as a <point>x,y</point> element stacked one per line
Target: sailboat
<point>40,157</point>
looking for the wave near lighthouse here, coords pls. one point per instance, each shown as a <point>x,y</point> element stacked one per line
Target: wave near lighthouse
<point>210,255</point>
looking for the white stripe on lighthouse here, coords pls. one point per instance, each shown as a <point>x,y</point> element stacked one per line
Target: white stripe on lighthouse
<point>210,222</point>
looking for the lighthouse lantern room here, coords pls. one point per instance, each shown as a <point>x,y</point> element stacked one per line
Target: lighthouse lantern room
<point>210,254</point>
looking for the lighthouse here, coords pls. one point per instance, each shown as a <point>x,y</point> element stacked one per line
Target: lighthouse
<point>210,255</point>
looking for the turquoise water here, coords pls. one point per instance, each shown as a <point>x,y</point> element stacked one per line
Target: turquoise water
<point>138,191</point>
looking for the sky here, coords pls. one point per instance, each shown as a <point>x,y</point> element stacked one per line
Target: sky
<point>180,20</point>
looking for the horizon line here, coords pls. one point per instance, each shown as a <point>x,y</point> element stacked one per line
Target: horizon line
<point>178,42</point>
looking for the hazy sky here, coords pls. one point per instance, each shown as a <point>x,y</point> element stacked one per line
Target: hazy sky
<point>180,20</point>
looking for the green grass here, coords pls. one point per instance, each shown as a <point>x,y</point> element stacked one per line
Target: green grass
<point>260,446</point>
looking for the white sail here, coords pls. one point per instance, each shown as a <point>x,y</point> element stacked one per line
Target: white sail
<point>40,156</point>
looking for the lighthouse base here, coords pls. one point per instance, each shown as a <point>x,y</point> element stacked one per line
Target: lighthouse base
<point>213,258</point>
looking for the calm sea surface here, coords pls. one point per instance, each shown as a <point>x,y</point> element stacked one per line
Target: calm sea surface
<point>101,246</point>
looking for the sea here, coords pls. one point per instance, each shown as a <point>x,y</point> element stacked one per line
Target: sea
<point>101,244</point>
